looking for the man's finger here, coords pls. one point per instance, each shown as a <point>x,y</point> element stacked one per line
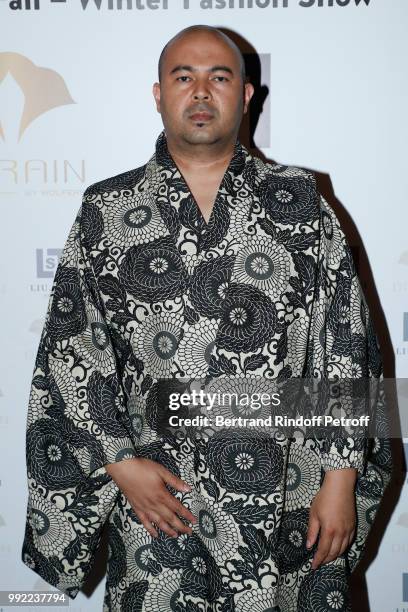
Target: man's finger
<point>173,520</point>
<point>334,549</point>
<point>344,545</point>
<point>175,504</point>
<point>323,548</point>
<point>146,523</point>
<point>312,531</point>
<point>174,481</point>
<point>161,523</point>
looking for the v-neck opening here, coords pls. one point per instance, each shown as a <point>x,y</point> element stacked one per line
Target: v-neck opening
<point>236,162</point>
<point>205,223</point>
<point>183,210</point>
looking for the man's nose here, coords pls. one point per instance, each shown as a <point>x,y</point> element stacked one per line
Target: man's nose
<point>201,91</point>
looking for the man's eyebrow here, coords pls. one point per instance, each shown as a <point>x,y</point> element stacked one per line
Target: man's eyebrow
<point>191,69</point>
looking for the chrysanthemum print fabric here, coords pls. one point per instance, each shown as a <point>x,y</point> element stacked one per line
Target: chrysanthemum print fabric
<point>146,290</point>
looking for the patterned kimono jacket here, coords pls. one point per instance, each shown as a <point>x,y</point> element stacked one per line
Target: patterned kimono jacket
<point>146,290</point>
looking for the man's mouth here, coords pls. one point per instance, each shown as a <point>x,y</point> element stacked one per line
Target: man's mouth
<point>201,117</point>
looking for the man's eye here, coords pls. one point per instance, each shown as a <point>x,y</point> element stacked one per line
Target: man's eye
<point>183,77</point>
<point>221,77</point>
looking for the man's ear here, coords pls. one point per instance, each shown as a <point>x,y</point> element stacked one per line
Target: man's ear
<point>248,93</point>
<point>156,94</point>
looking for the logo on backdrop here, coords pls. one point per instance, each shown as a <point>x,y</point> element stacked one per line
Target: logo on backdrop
<point>47,261</point>
<point>27,5</point>
<point>405,327</point>
<point>403,348</point>
<point>43,88</point>
<point>405,587</point>
<point>46,266</point>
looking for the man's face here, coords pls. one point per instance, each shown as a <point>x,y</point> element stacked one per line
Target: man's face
<point>201,74</point>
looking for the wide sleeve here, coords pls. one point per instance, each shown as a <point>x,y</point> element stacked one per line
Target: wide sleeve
<point>77,422</point>
<point>344,346</point>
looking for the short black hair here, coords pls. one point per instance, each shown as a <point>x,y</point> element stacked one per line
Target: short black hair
<point>212,30</point>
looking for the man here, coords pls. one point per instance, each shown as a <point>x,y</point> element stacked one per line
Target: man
<point>204,261</point>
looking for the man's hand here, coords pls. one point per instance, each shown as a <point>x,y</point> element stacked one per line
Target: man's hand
<point>333,513</point>
<point>143,482</point>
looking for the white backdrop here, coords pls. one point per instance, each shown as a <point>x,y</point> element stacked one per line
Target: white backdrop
<point>76,107</point>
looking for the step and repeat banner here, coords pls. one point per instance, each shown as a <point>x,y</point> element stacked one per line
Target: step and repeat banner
<point>76,106</point>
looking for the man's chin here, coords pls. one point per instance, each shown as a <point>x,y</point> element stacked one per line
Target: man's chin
<point>201,135</point>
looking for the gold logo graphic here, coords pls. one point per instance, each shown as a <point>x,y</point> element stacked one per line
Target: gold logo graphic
<point>43,88</point>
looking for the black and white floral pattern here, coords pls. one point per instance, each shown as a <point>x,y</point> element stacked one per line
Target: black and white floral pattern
<point>147,291</point>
